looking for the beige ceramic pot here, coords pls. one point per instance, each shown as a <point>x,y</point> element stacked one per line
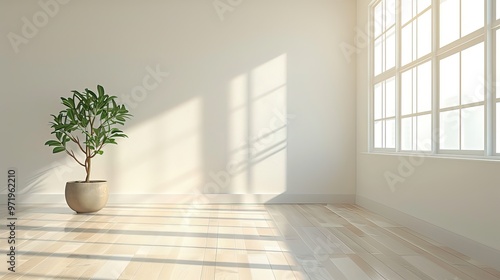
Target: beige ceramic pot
<point>86,197</point>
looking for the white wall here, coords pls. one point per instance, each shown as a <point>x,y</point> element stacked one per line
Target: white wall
<point>232,76</point>
<point>454,200</point>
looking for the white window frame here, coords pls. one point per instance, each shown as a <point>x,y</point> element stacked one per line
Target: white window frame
<point>487,34</point>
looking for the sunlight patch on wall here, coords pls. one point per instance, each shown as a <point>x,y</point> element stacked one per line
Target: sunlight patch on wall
<point>169,157</point>
<point>238,132</point>
<point>257,128</point>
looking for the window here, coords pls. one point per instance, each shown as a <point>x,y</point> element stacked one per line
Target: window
<point>385,36</point>
<point>416,30</point>
<point>434,68</point>
<point>459,18</point>
<point>416,101</point>
<point>385,114</point>
<point>461,100</point>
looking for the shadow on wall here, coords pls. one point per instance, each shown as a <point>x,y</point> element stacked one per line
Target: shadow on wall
<point>230,141</point>
<point>210,97</point>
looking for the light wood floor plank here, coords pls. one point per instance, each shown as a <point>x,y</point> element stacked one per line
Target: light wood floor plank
<point>443,254</point>
<point>229,241</point>
<point>382,268</point>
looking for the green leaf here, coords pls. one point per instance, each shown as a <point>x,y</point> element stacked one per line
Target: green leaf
<point>68,102</point>
<point>100,89</point>
<point>52,143</point>
<point>78,95</point>
<point>92,94</point>
<point>58,150</point>
<point>65,139</point>
<point>71,114</point>
<point>110,141</point>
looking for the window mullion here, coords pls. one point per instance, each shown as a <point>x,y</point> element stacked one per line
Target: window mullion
<point>490,134</point>
<point>435,135</point>
<point>384,76</point>
<point>460,18</point>
<point>398,98</point>
<point>460,99</point>
<point>384,115</point>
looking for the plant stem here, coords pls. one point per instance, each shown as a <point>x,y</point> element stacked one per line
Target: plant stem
<point>88,152</point>
<point>87,168</point>
<point>72,154</point>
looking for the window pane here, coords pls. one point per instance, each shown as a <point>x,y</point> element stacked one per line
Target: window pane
<point>424,101</point>
<point>422,4</point>
<point>449,21</point>
<point>498,9</point>
<point>407,44</point>
<point>406,10</point>
<point>424,26</point>
<point>449,130</point>
<point>473,74</point>
<point>472,15</point>
<point>406,134</point>
<point>497,83</point>
<point>390,98</point>
<point>390,137</point>
<point>473,128</point>
<point>377,134</point>
<point>378,20</point>
<point>390,49</point>
<point>424,132</point>
<point>449,87</point>
<point>377,102</point>
<point>406,92</point>
<point>390,13</point>
<point>498,128</point>
<point>378,56</point>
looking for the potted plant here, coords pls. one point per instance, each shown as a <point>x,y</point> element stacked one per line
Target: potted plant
<point>87,124</point>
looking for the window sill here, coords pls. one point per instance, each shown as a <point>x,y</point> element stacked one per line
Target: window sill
<point>494,158</point>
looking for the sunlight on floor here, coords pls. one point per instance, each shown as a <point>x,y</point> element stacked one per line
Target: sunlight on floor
<point>282,242</point>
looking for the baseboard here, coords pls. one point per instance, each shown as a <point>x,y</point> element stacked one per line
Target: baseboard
<point>200,198</point>
<point>464,245</point>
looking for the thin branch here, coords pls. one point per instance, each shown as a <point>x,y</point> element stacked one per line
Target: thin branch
<point>79,145</point>
<point>72,154</point>
<point>70,136</point>
<point>77,141</point>
<point>100,147</point>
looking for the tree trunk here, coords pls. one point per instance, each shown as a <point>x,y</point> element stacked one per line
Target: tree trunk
<point>87,179</point>
<point>88,165</point>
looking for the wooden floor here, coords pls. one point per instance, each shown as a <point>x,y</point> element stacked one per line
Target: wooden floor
<point>227,242</point>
